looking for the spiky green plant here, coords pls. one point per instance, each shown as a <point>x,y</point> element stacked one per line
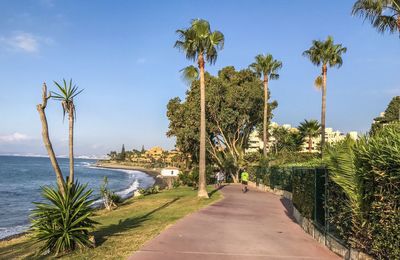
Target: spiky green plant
<point>63,223</point>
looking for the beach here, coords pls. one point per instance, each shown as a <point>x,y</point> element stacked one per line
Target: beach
<point>155,173</point>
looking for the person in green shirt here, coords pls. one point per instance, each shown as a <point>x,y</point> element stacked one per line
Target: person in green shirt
<point>244,179</point>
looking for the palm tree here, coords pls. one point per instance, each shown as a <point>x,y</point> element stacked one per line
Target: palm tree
<point>66,95</point>
<point>200,44</point>
<point>265,66</point>
<point>384,15</point>
<point>325,53</point>
<point>309,129</point>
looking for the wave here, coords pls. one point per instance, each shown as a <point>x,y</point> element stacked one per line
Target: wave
<point>139,180</point>
<point>10,231</point>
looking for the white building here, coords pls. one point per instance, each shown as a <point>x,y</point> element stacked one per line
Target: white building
<point>256,144</point>
<point>170,172</point>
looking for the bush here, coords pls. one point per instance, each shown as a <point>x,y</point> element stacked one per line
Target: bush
<point>63,223</point>
<point>152,190</point>
<point>377,164</point>
<point>303,191</point>
<point>110,199</point>
<point>368,172</point>
<point>191,178</point>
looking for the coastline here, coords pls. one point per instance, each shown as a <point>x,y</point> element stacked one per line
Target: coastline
<point>155,173</point>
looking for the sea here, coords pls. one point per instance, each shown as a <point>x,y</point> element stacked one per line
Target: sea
<point>21,179</point>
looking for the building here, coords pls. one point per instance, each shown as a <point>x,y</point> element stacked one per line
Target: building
<point>256,143</point>
<point>155,152</point>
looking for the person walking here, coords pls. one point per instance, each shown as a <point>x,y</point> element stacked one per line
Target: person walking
<point>245,180</point>
<point>219,177</point>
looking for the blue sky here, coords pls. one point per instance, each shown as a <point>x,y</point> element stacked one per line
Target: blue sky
<point>121,53</point>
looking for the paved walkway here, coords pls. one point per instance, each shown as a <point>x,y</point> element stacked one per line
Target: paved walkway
<point>254,225</point>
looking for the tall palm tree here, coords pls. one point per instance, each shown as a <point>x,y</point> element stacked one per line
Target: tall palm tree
<point>309,129</point>
<point>201,45</point>
<point>67,93</point>
<point>325,53</point>
<point>266,67</point>
<point>384,15</point>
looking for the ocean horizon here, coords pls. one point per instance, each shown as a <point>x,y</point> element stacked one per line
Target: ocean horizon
<point>23,176</point>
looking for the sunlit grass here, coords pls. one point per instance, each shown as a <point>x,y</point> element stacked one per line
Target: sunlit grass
<point>125,230</point>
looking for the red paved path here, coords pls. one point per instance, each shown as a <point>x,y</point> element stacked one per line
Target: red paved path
<point>254,225</point>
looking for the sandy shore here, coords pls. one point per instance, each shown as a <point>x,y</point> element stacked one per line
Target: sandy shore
<point>153,173</point>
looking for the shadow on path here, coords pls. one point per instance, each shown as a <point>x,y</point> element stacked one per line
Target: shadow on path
<point>126,224</point>
<point>288,204</point>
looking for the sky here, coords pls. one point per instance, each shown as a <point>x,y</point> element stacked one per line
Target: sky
<point>121,53</point>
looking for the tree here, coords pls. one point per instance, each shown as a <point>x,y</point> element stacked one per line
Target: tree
<point>266,67</point>
<point>286,140</point>
<point>143,150</point>
<point>122,155</point>
<point>41,108</point>
<point>67,93</point>
<point>234,108</point>
<point>384,15</point>
<point>200,44</point>
<point>309,129</point>
<point>325,53</point>
<point>392,113</point>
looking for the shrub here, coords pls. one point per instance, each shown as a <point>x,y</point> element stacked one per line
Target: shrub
<point>110,199</point>
<point>152,190</point>
<point>368,172</point>
<point>303,191</point>
<point>377,163</point>
<point>63,223</point>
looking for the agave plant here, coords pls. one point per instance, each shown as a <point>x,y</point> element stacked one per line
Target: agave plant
<point>63,223</point>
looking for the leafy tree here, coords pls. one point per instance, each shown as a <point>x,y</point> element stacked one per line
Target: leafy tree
<point>143,150</point>
<point>200,44</point>
<point>325,53</point>
<point>266,67</point>
<point>309,129</point>
<point>112,155</point>
<point>234,108</point>
<point>384,15</point>
<point>392,114</point>
<point>286,140</point>
<point>67,93</point>
<point>122,155</point>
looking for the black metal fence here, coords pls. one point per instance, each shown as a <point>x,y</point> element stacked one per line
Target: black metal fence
<point>310,188</point>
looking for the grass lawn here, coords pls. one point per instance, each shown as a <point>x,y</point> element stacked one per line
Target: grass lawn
<point>125,230</point>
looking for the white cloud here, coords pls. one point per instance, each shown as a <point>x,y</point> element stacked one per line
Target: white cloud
<point>12,138</point>
<point>25,42</point>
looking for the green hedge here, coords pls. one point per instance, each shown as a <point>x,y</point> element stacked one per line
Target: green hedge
<point>303,182</point>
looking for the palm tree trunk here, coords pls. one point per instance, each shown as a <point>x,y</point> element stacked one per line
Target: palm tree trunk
<point>323,109</point>
<point>265,121</point>
<point>202,192</point>
<point>71,144</point>
<point>47,143</point>
<point>309,143</point>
